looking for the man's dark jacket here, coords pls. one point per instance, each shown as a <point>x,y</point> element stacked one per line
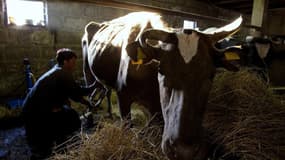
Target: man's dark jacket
<point>52,91</point>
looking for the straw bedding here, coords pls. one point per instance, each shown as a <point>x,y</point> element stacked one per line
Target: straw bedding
<point>245,117</point>
<point>112,142</point>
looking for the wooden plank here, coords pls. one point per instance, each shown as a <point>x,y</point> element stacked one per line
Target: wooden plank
<point>232,2</point>
<point>257,12</point>
<point>278,88</point>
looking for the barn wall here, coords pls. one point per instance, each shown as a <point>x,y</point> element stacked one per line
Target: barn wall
<point>66,22</point>
<point>275,24</point>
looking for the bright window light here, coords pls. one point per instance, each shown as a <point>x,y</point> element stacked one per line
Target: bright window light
<point>22,12</point>
<point>189,24</point>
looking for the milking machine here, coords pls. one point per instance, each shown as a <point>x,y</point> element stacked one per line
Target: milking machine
<point>95,99</point>
<point>30,79</point>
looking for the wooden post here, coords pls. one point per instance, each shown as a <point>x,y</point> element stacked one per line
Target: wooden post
<point>1,14</point>
<point>257,16</point>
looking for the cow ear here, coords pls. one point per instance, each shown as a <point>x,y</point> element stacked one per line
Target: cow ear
<point>136,53</point>
<point>230,60</point>
<point>231,66</point>
<point>132,50</point>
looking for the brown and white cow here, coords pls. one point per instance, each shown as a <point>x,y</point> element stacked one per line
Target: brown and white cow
<point>173,73</point>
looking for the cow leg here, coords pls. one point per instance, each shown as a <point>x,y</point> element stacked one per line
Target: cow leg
<point>125,102</point>
<point>152,103</point>
<point>109,110</point>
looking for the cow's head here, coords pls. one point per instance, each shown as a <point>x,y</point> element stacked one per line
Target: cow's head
<point>262,45</point>
<point>185,74</point>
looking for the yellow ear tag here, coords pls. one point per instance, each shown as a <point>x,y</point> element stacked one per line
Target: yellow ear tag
<point>140,56</point>
<point>232,56</point>
<point>140,61</point>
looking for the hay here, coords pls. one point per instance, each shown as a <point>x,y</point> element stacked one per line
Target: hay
<point>114,142</point>
<point>245,117</point>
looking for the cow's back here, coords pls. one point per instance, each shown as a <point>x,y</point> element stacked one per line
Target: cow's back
<point>107,50</point>
<point>106,59</point>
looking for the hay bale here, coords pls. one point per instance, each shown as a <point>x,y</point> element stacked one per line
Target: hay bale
<point>245,117</point>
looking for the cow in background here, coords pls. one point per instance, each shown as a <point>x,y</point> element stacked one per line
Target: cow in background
<point>276,65</point>
<point>167,70</point>
<point>260,55</point>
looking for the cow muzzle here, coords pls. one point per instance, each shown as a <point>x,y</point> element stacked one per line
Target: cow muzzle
<point>176,150</point>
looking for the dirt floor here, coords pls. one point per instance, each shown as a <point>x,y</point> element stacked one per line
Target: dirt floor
<point>13,145</point>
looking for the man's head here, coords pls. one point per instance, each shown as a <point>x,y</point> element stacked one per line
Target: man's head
<point>66,57</point>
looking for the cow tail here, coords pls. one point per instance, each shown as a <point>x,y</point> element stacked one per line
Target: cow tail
<point>88,76</point>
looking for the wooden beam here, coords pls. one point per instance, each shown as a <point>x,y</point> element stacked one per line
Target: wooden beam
<point>222,2</point>
<point>257,12</point>
<point>240,6</point>
<point>142,7</point>
<point>243,5</point>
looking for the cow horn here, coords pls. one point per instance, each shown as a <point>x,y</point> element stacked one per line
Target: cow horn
<point>223,50</point>
<point>225,31</point>
<point>155,34</point>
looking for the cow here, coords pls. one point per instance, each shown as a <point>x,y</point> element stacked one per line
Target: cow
<point>268,57</point>
<point>259,55</point>
<point>105,60</point>
<point>170,71</point>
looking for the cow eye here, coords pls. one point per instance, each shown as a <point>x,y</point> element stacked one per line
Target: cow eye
<point>161,70</point>
<point>167,47</point>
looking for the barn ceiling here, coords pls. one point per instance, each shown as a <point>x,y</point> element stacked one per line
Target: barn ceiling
<point>241,6</point>
<point>245,6</point>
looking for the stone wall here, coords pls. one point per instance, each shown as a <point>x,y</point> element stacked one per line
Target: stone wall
<point>17,44</point>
